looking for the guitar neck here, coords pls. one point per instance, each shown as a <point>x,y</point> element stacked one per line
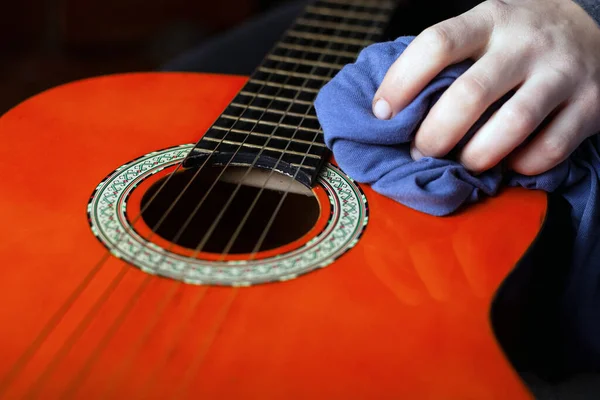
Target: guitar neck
<point>272,123</point>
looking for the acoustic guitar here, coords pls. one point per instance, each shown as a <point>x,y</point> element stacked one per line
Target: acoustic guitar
<point>182,235</point>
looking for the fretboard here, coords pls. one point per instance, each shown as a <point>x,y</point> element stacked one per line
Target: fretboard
<point>271,123</point>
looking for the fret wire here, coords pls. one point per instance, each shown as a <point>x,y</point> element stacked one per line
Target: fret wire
<point>260,121</point>
<point>287,74</point>
<point>275,124</point>
<point>373,31</point>
<point>196,365</point>
<point>193,368</point>
<point>274,214</point>
<point>269,97</point>
<point>304,62</point>
<point>263,235</point>
<point>269,123</point>
<point>64,348</point>
<point>294,87</point>
<point>273,110</point>
<point>310,49</point>
<point>388,5</point>
<point>346,14</point>
<point>96,351</point>
<point>328,38</point>
<point>201,150</point>
<point>338,66</point>
<point>283,115</point>
<point>241,131</point>
<point>334,25</point>
<point>294,74</point>
<point>297,61</point>
<point>85,369</point>
<point>256,146</point>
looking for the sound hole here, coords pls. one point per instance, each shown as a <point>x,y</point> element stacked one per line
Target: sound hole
<point>297,213</point>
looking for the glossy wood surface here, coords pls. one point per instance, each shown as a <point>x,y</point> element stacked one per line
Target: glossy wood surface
<point>403,315</point>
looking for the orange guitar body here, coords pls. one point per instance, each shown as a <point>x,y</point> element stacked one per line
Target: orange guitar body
<point>404,314</point>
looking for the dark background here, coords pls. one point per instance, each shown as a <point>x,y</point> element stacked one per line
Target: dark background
<point>44,43</point>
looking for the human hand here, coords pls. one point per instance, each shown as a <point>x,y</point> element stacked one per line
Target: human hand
<point>548,51</point>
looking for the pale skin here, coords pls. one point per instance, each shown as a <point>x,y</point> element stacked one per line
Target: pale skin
<point>548,51</point>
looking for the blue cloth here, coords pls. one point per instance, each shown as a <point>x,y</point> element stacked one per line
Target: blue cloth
<point>376,152</point>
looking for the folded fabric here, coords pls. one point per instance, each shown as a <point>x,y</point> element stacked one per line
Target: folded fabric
<point>376,152</point>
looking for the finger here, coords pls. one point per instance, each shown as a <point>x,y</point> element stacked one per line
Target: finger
<point>426,56</point>
<point>555,142</point>
<point>516,120</point>
<point>467,98</point>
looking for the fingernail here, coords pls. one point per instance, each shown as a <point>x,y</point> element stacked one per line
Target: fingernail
<point>382,109</point>
<point>415,154</point>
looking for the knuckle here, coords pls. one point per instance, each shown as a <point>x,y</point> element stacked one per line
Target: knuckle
<point>439,40</point>
<point>522,118</point>
<point>562,75</point>
<point>566,66</point>
<point>499,10</point>
<point>497,5</point>
<point>472,89</point>
<point>540,39</point>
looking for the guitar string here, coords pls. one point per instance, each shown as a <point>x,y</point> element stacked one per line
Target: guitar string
<point>304,156</point>
<point>223,139</point>
<point>57,317</point>
<point>287,191</point>
<point>217,178</point>
<point>232,196</point>
<point>121,317</point>
<point>162,306</point>
<point>272,170</point>
<point>353,7</point>
<point>192,370</point>
<point>89,317</point>
<point>283,198</point>
<point>179,332</point>
<point>368,37</point>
